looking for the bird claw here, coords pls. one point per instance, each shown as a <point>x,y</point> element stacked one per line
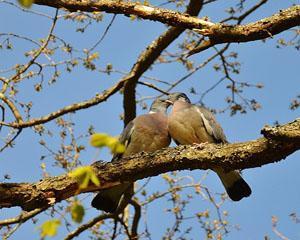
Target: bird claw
<point>201,145</point>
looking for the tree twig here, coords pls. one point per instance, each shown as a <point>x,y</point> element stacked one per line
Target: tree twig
<point>87,225</point>
<point>23,217</point>
<point>136,218</point>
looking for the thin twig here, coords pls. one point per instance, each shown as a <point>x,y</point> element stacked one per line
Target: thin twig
<point>125,227</point>
<point>10,233</point>
<point>38,53</point>
<point>104,34</point>
<point>87,225</point>
<point>217,207</point>
<point>275,230</point>
<point>9,142</point>
<point>23,217</point>
<point>136,218</point>
<point>194,70</point>
<point>20,37</point>
<point>150,85</point>
<point>25,9</point>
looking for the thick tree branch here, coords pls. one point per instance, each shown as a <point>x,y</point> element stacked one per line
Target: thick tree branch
<point>264,28</point>
<point>284,133</point>
<point>221,33</point>
<point>243,155</point>
<point>205,44</point>
<point>127,8</point>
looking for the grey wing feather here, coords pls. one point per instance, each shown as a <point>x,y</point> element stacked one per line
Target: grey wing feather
<point>211,125</point>
<point>125,138</point>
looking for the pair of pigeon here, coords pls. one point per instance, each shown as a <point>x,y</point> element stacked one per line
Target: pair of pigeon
<point>186,124</point>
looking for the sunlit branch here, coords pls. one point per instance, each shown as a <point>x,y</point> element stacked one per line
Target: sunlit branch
<point>275,146</point>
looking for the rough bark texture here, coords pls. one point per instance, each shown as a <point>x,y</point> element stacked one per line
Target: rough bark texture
<point>278,143</point>
<point>221,33</point>
<point>261,29</point>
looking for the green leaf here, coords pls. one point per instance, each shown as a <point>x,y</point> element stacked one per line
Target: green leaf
<point>94,179</point>
<point>99,140</point>
<point>77,212</point>
<point>26,3</point>
<point>49,228</point>
<point>104,140</point>
<point>83,175</point>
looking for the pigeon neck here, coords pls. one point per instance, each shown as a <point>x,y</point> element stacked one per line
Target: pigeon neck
<point>158,110</point>
<point>178,105</point>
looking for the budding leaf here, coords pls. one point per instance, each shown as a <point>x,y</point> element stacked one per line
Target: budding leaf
<point>104,140</point>
<point>83,175</point>
<point>49,228</point>
<point>77,212</point>
<point>26,3</point>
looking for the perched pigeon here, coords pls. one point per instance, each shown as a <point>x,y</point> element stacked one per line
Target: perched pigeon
<point>148,132</point>
<point>188,124</point>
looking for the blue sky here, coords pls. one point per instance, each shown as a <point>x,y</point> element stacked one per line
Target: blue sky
<point>274,186</point>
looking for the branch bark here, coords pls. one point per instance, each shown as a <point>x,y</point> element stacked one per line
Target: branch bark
<point>221,33</point>
<point>264,28</point>
<point>251,154</point>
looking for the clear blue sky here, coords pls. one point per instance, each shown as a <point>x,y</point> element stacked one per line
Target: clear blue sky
<point>275,187</point>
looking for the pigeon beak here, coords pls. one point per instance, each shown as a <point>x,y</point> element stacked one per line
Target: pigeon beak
<point>169,101</point>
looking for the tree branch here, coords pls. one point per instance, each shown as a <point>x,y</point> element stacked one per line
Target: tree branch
<point>23,217</point>
<point>98,98</point>
<point>220,33</point>
<point>136,218</point>
<point>88,225</point>
<point>205,44</point>
<point>264,28</point>
<point>126,8</point>
<point>243,155</point>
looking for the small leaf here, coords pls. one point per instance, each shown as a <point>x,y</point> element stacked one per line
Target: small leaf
<point>132,17</point>
<point>109,68</point>
<point>49,228</point>
<point>119,148</point>
<point>93,56</point>
<point>104,140</point>
<point>26,3</point>
<point>115,146</point>
<point>77,212</point>
<point>99,140</point>
<point>83,175</point>
<point>94,179</point>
